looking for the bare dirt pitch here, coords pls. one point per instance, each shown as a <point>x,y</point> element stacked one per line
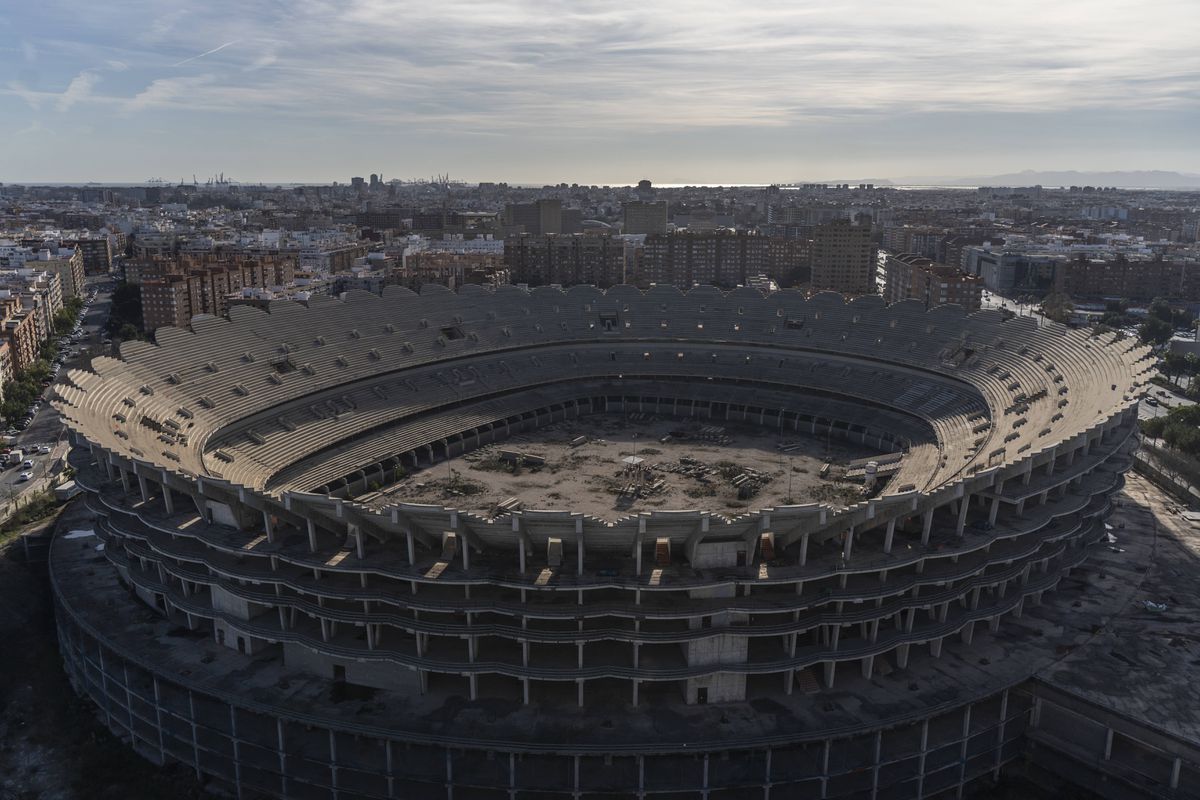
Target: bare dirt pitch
<point>581,465</point>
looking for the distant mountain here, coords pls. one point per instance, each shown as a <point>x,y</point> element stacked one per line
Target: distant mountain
<point>1133,179</point>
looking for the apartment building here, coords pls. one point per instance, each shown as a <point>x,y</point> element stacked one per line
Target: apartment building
<point>20,332</point>
<point>843,258</point>
<point>909,276</point>
<point>1129,279</point>
<point>721,258</point>
<point>69,265</point>
<point>175,290</point>
<point>567,259</point>
<point>452,269</point>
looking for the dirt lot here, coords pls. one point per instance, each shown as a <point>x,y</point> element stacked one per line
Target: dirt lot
<point>51,745</point>
<point>580,466</point>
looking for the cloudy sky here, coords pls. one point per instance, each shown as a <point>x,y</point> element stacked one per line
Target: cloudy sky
<point>605,92</point>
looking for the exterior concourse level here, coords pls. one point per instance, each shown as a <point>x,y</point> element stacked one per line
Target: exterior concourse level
<point>362,644</point>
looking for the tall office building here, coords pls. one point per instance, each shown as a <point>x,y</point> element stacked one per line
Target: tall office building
<point>843,258</point>
<point>641,217</point>
<point>539,217</point>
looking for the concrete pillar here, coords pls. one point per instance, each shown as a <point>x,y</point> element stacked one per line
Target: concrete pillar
<point>312,536</point>
<point>902,656</point>
<point>143,488</point>
<point>968,633</point>
<point>962,514</point>
<point>830,672</point>
<point>579,545</point>
<point>268,526</point>
<point>868,667</point>
<point>803,549</point>
<point>935,647</point>
<point>168,501</point>
<point>411,546</point>
<point>926,526</point>
<point>1108,743</point>
<point>891,533</point>
<point>994,513</point>
<point>848,544</point>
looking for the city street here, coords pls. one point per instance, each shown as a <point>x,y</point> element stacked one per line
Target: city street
<point>46,427</point>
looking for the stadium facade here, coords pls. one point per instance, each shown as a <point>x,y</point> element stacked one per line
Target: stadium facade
<point>261,613</point>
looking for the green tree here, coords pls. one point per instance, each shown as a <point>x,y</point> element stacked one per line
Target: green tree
<point>64,321</point>
<point>1174,364</point>
<point>126,308</point>
<point>1057,307</point>
<point>1155,331</point>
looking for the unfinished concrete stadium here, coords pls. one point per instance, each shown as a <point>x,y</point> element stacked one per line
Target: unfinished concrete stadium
<point>583,544</point>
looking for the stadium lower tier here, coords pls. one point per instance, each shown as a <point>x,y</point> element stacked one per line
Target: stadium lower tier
<point>895,666</point>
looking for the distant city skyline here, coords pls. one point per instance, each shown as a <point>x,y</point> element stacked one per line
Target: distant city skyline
<point>593,92</point>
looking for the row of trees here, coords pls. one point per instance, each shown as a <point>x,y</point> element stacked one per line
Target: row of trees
<point>28,385</point>
<point>125,315</point>
<point>1179,428</point>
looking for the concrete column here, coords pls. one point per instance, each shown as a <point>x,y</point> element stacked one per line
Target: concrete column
<point>168,501</point>
<point>145,490</point>
<point>902,656</point>
<point>359,548</point>
<point>281,753</point>
<point>579,545</point>
<point>935,648</point>
<point>962,514</point>
<point>312,536</point>
<point>1108,743</point>
<point>803,549</point>
<point>268,526</point>
<point>848,545</point>
<point>926,526</point>
<point>411,546</point>
<point>995,511</point>
<point>237,760</point>
<point>830,672</point>
<point>124,480</point>
<point>891,533</point>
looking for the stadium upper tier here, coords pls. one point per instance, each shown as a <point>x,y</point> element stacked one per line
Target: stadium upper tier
<point>299,397</point>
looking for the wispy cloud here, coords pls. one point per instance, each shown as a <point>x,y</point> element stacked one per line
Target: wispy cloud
<point>529,74</point>
<point>80,88</point>
<point>216,49</point>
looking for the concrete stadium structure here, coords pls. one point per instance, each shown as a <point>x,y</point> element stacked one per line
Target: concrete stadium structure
<point>297,637</point>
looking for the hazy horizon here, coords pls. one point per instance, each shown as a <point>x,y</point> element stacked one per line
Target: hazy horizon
<point>590,92</point>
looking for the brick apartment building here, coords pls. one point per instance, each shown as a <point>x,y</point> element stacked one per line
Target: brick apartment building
<point>913,277</point>
<point>175,290</point>
<point>1136,280</point>
<point>565,259</point>
<point>722,258</point>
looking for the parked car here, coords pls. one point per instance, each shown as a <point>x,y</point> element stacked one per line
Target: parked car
<point>24,476</point>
